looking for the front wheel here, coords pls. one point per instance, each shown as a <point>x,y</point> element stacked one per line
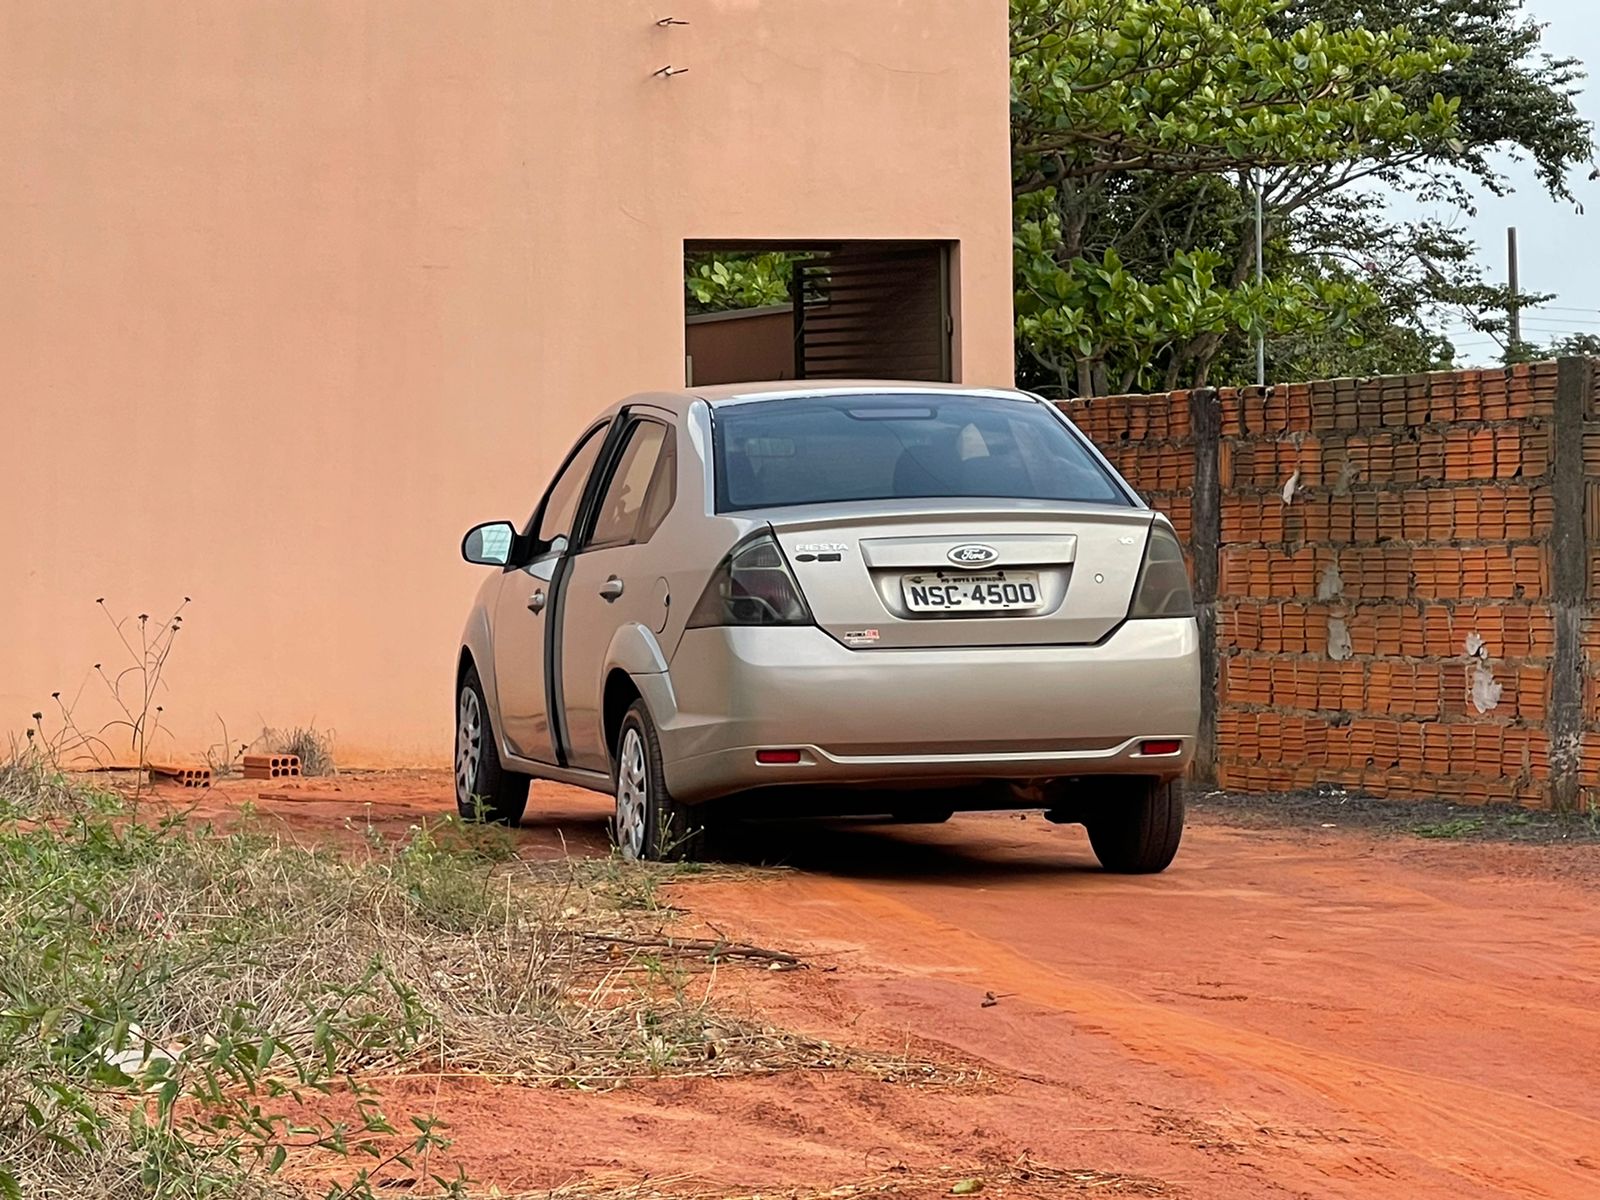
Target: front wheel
<point>485,791</point>
<point>649,824</point>
<point>1137,832</point>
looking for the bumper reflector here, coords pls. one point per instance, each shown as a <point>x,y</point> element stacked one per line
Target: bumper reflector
<point>778,757</point>
<point>1171,746</point>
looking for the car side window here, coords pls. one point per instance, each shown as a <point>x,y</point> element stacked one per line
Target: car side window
<point>663,491</point>
<point>561,501</point>
<point>629,489</point>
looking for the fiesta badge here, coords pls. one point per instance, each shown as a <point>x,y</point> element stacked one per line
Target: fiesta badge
<point>973,554</point>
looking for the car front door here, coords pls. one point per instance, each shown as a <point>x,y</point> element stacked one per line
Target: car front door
<point>524,604</point>
<point>609,582</point>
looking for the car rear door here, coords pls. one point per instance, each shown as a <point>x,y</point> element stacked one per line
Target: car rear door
<point>610,581</point>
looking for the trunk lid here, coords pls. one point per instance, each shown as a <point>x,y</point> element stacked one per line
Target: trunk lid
<point>966,573</point>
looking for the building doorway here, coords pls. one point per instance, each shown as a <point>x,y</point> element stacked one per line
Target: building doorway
<point>817,310</point>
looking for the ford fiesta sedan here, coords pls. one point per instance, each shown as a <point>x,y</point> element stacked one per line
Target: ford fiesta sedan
<point>902,600</point>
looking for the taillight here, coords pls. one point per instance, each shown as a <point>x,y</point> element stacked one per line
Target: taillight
<point>1163,589</point>
<point>752,586</point>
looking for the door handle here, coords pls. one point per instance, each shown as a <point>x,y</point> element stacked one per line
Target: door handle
<point>611,589</point>
<point>536,601</point>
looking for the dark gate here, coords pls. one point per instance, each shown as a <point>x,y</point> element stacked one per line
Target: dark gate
<point>873,312</point>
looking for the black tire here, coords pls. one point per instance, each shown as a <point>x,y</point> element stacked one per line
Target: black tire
<point>485,791</point>
<point>647,823</point>
<point>1137,831</point>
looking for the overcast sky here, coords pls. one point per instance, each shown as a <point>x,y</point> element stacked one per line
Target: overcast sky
<point>1559,249</point>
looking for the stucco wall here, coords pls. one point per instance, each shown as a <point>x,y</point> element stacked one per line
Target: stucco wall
<point>733,347</point>
<point>293,292</point>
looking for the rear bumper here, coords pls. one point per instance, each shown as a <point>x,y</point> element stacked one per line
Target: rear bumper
<point>907,716</point>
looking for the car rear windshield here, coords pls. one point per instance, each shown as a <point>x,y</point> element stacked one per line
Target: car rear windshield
<point>834,449</point>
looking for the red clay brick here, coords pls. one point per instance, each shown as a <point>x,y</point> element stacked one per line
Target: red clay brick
<point>1420,515</point>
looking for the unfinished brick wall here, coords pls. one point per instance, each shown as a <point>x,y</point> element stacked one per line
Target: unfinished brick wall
<point>1393,577</point>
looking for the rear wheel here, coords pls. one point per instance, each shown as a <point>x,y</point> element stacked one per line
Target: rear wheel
<point>649,824</point>
<point>485,791</point>
<point>1137,831</point>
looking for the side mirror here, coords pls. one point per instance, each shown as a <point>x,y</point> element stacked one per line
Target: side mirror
<point>489,545</point>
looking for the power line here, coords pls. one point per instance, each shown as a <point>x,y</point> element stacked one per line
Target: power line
<point>1535,326</point>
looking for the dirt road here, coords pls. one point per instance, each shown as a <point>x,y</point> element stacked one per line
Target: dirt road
<point>1286,1012</point>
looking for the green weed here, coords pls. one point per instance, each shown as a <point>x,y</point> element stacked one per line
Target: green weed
<point>184,1009</point>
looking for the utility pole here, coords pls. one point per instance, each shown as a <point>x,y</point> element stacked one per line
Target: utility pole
<point>1514,304</point>
<point>1261,273</point>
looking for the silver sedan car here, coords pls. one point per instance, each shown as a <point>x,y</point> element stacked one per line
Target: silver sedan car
<point>900,600</point>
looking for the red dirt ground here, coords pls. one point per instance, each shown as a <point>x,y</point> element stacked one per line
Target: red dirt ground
<point>1285,1012</point>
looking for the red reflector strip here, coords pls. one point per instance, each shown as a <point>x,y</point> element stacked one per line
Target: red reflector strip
<point>778,757</point>
<point>1165,747</point>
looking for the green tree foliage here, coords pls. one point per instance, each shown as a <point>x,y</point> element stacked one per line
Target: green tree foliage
<point>1408,272</point>
<point>1515,101</point>
<point>1209,86</point>
<point>1140,128</point>
<point>1513,96</point>
<point>716,282</point>
<point>1583,345</point>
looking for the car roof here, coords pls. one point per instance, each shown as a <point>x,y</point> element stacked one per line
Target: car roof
<point>678,400</point>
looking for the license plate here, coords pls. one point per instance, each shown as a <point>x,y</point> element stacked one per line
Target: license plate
<point>999,591</point>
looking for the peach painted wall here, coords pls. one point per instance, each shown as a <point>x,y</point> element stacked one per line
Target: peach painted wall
<point>757,343</point>
<point>293,291</point>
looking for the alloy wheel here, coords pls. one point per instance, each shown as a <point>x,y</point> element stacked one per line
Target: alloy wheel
<point>633,795</point>
<point>469,745</point>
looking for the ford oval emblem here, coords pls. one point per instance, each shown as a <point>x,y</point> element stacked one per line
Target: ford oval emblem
<point>973,554</point>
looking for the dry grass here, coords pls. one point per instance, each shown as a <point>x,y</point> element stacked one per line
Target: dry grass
<point>578,983</point>
<point>313,746</point>
<point>260,970</point>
